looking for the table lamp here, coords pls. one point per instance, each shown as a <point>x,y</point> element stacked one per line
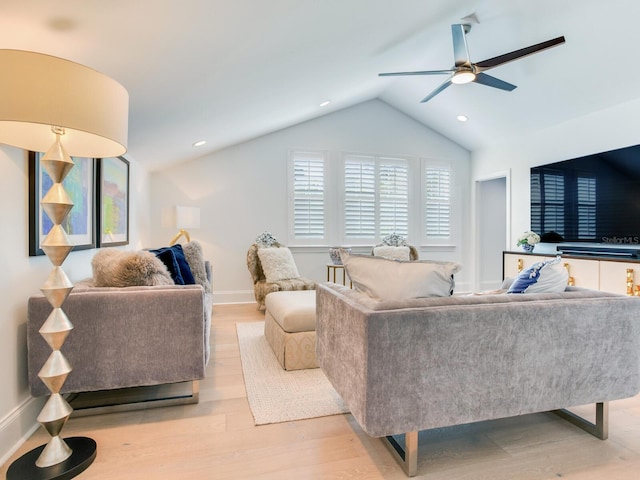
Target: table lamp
<point>186,217</point>
<point>52,105</point>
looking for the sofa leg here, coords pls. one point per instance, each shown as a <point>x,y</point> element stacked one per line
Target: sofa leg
<point>407,457</point>
<point>600,429</point>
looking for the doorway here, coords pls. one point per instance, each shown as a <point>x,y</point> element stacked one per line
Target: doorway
<point>492,233</point>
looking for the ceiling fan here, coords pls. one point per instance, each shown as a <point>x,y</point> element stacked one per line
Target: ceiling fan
<point>465,71</point>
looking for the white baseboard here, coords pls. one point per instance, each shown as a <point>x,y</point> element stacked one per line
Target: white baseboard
<point>18,426</point>
<point>233,296</point>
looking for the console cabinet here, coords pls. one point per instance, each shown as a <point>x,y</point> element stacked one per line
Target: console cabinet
<point>598,273</point>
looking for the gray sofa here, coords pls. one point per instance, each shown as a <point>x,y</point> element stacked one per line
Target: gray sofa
<point>127,337</point>
<point>402,367</point>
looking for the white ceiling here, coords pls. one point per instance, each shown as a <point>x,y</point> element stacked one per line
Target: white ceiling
<point>226,71</point>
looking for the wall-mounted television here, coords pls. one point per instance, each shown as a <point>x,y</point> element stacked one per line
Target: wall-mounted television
<point>595,198</point>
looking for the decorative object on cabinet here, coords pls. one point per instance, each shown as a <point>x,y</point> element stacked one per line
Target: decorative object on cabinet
<point>46,101</point>
<point>528,241</point>
<point>629,281</point>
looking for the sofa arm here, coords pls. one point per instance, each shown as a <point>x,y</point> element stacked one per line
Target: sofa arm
<point>124,337</point>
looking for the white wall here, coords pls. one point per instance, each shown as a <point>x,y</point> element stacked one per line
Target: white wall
<point>22,277</point>
<point>608,129</point>
<point>242,190</point>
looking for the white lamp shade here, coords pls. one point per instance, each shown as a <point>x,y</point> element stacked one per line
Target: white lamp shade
<point>187,217</point>
<point>38,91</point>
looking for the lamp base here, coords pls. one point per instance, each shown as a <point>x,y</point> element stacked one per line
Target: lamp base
<point>84,453</point>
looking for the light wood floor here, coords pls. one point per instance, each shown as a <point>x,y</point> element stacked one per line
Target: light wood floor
<point>216,439</point>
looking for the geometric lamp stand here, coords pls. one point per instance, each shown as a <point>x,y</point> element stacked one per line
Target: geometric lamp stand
<point>58,459</point>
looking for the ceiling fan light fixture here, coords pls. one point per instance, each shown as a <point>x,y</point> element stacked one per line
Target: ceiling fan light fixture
<point>462,77</point>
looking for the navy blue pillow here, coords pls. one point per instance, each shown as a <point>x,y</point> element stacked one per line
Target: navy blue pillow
<point>173,257</point>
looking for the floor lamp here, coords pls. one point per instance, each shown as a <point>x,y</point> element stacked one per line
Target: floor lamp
<point>52,105</point>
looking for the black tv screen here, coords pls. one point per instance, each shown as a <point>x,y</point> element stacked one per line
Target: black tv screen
<point>595,198</point>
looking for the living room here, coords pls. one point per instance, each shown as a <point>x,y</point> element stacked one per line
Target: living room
<point>241,187</point>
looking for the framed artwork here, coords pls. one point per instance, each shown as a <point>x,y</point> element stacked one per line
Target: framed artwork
<point>80,185</point>
<point>113,201</point>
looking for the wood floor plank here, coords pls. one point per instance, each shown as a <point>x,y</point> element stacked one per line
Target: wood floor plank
<point>217,438</point>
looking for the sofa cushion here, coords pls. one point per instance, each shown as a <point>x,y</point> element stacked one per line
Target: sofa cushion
<point>195,258</point>
<point>542,277</point>
<point>385,279</point>
<point>173,257</point>
<point>392,252</point>
<point>277,264</point>
<point>118,268</point>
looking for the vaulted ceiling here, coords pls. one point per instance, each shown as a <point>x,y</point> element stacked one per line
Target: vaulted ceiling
<point>226,71</point>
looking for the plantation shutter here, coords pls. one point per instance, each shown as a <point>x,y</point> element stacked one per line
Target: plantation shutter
<point>536,203</point>
<point>359,197</point>
<point>552,203</point>
<point>309,192</point>
<point>394,197</point>
<point>586,207</point>
<point>437,202</point>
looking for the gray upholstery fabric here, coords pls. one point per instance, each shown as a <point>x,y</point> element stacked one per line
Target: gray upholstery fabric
<point>126,337</point>
<point>436,362</point>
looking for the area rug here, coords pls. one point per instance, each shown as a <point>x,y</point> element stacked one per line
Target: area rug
<point>276,395</point>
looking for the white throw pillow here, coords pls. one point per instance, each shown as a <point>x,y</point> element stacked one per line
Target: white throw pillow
<point>392,253</point>
<point>385,279</point>
<point>541,277</point>
<point>277,263</point>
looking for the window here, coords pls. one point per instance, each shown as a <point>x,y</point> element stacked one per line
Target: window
<point>339,198</point>
<point>376,197</point>
<point>308,189</point>
<point>586,208</point>
<point>547,202</point>
<point>437,194</point>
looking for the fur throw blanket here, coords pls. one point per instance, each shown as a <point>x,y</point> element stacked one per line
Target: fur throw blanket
<point>118,268</point>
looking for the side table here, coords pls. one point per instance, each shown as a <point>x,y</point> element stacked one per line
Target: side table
<point>332,270</point>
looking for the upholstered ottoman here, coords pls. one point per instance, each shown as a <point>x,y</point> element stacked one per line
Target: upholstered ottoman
<point>290,328</point>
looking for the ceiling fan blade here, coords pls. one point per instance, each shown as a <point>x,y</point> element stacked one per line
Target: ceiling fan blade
<point>460,47</point>
<point>494,82</point>
<point>515,55</point>
<point>436,91</point>
<point>425,72</point>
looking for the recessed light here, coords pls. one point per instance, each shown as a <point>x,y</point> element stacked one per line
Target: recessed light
<point>199,143</point>
<point>325,103</point>
<point>462,118</point>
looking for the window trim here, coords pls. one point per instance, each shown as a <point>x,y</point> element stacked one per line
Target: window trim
<point>291,196</point>
<point>454,212</point>
<point>377,158</point>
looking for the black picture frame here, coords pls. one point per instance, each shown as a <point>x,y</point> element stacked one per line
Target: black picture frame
<point>113,201</point>
<point>79,184</point>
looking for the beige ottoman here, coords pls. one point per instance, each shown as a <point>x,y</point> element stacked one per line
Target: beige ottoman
<point>290,328</point>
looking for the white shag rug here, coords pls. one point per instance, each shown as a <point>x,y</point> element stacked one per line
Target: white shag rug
<point>276,395</point>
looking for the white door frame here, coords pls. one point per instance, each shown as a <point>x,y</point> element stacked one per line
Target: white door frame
<point>506,174</point>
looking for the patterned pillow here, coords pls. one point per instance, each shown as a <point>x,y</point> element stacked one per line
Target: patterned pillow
<point>277,264</point>
<point>541,277</point>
